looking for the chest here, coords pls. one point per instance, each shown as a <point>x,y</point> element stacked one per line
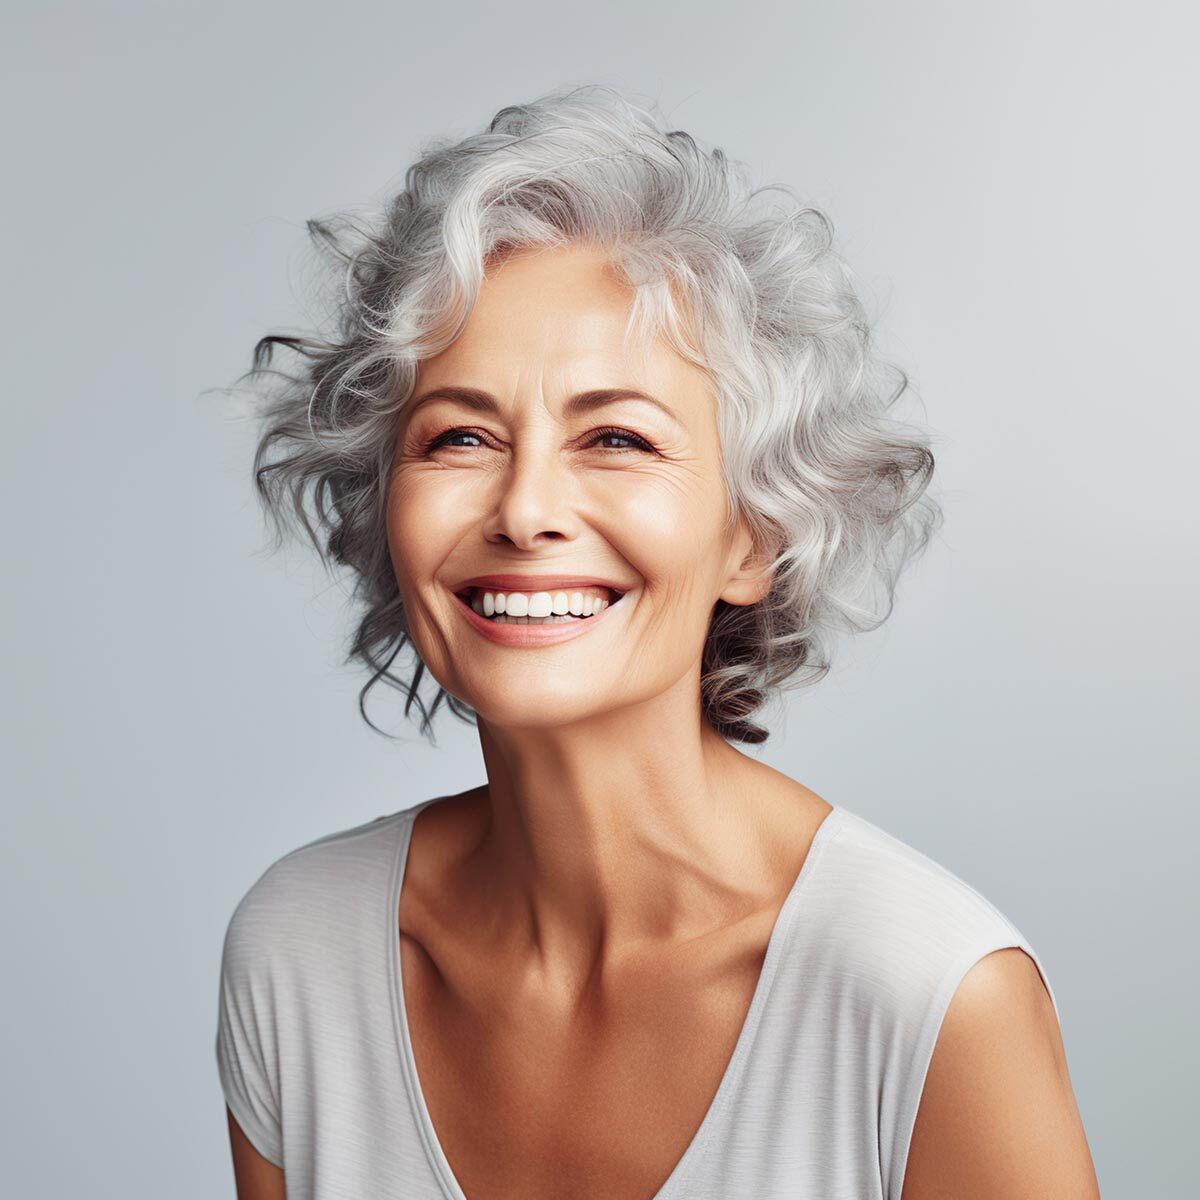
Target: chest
<point>528,1101</point>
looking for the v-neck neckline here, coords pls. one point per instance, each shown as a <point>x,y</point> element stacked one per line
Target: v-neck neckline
<point>701,1139</point>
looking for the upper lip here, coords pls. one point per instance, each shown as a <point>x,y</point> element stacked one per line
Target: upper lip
<point>537,583</point>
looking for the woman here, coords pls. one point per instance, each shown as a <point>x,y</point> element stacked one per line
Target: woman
<point>601,438</point>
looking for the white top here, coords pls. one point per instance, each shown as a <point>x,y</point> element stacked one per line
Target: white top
<point>818,1099</point>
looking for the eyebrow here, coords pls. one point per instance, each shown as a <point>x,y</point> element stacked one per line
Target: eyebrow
<point>581,402</point>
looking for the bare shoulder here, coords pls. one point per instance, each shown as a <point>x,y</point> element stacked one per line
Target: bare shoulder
<point>998,1116</point>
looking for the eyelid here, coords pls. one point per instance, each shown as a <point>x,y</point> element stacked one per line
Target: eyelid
<point>428,443</point>
<point>641,443</point>
<point>618,431</point>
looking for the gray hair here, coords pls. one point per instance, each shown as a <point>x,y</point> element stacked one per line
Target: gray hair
<point>749,290</point>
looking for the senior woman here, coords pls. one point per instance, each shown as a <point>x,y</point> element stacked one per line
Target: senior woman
<point>601,440</point>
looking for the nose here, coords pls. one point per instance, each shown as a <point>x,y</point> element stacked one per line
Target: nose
<point>534,494</point>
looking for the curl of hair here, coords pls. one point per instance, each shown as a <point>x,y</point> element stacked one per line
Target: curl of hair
<point>741,280</point>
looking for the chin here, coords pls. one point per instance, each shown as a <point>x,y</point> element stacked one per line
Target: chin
<point>538,708</point>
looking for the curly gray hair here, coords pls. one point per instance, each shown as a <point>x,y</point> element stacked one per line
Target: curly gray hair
<point>749,291</point>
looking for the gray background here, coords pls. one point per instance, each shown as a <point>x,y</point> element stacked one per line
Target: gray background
<point>1016,186</point>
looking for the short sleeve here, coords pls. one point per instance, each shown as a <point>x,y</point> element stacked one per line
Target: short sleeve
<point>247,1043</point>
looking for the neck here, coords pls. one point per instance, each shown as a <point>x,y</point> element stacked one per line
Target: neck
<point>638,827</point>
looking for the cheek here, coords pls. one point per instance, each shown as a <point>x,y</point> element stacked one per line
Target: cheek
<point>415,524</point>
<point>669,532</point>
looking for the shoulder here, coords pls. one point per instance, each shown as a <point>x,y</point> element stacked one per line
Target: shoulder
<point>309,886</point>
<point>910,926</point>
<point>956,1001</point>
<point>874,863</point>
<point>998,1115</point>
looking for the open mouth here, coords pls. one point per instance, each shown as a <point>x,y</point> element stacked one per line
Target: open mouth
<point>594,602</point>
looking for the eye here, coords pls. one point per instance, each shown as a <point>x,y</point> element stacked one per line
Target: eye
<point>639,443</point>
<point>443,438</point>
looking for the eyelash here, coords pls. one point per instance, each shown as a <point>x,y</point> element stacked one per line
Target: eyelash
<point>640,443</point>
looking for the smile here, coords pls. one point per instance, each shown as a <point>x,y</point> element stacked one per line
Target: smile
<point>506,630</point>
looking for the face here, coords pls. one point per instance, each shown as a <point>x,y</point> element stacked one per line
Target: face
<point>525,476</point>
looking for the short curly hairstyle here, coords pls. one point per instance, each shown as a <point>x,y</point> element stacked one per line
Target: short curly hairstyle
<point>750,291</point>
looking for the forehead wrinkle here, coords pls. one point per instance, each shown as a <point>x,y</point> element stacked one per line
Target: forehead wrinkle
<point>580,364</point>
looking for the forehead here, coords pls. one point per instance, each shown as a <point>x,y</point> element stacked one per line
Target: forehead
<point>556,319</point>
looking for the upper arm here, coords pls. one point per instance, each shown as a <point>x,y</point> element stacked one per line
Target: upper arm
<point>998,1117</point>
<point>247,1046</point>
<point>257,1178</point>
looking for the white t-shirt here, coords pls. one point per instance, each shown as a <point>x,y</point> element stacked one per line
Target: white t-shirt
<point>819,1097</point>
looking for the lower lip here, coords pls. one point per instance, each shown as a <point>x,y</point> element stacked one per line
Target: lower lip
<point>533,635</point>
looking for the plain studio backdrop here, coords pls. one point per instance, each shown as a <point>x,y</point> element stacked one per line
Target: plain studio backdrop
<point>1016,187</point>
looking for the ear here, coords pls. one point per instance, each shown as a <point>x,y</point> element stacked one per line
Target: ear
<point>749,578</point>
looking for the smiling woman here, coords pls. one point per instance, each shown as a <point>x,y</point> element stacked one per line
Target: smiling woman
<point>534,482</point>
<point>770,363</point>
<point>603,443</point>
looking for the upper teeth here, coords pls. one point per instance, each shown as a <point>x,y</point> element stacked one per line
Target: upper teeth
<point>540,604</point>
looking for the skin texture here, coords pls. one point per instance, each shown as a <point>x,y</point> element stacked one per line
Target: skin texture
<point>580,937</point>
<point>998,1116</point>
